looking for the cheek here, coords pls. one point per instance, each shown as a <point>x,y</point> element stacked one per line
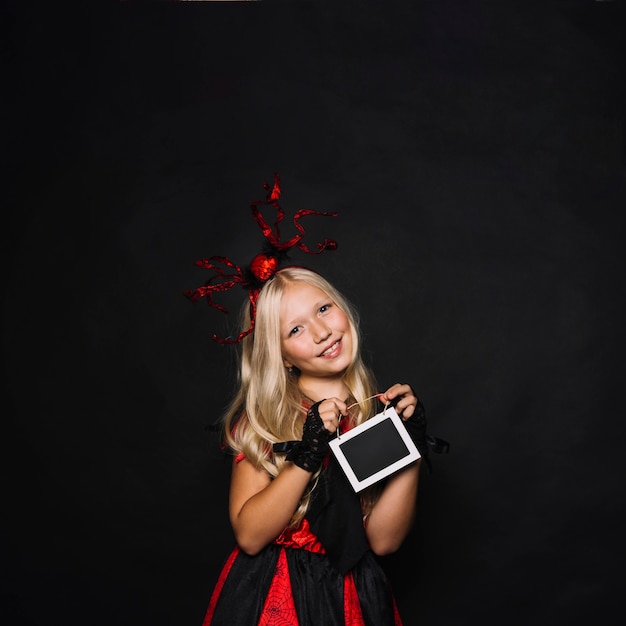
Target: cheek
<point>291,350</point>
<point>343,322</point>
<point>347,330</point>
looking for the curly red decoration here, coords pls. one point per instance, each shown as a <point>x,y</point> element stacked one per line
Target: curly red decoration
<point>263,266</point>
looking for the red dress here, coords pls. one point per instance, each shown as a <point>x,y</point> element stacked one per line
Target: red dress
<point>297,580</point>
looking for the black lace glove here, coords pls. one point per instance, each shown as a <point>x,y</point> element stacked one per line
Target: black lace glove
<point>312,450</point>
<point>416,426</point>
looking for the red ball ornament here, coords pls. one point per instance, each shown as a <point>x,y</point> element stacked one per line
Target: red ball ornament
<point>263,266</point>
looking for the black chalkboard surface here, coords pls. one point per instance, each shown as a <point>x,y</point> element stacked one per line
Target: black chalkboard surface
<point>375,449</point>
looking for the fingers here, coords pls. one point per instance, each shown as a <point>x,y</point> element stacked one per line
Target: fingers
<point>405,407</point>
<point>331,411</point>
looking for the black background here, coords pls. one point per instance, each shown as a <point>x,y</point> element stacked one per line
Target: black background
<point>475,154</point>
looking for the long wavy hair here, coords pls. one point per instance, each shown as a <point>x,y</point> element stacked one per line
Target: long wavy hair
<point>268,406</point>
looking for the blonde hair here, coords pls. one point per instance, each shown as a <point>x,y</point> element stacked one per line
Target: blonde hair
<point>268,407</point>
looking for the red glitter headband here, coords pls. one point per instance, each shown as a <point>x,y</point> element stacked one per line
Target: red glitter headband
<point>263,266</point>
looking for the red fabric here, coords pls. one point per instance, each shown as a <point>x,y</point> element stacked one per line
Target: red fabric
<point>300,537</point>
<point>396,614</point>
<point>279,608</point>
<point>351,604</point>
<point>218,587</point>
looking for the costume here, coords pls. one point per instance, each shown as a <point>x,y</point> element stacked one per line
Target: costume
<point>319,574</point>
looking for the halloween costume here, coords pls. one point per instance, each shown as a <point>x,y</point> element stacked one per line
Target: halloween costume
<point>321,573</point>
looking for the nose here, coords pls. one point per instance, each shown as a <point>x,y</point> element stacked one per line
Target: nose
<point>321,331</point>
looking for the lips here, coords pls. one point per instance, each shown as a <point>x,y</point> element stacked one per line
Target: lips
<point>332,350</point>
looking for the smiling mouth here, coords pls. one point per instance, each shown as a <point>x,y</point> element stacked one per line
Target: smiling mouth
<point>332,349</point>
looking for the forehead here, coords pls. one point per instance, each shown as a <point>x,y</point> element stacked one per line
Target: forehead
<point>299,298</point>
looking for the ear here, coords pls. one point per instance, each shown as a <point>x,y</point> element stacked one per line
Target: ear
<point>287,364</point>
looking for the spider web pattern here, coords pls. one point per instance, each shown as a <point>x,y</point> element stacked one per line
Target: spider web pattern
<point>351,604</point>
<point>279,608</point>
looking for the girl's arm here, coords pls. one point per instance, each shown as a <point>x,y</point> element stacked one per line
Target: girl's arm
<point>390,520</point>
<point>261,508</point>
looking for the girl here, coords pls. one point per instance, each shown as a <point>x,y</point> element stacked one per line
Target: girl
<point>306,542</point>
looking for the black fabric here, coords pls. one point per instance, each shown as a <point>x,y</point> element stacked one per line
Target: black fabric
<point>317,587</point>
<point>438,445</point>
<point>335,514</point>
<point>283,446</point>
<point>374,591</point>
<point>417,427</point>
<point>336,518</point>
<point>245,589</point>
<point>318,590</point>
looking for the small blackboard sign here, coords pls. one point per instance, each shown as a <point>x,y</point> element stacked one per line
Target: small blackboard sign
<point>375,449</point>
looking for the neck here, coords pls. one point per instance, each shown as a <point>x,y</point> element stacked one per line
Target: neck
<point>320,389</point>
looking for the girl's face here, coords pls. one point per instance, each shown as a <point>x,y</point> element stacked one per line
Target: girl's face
<point>315,333</point>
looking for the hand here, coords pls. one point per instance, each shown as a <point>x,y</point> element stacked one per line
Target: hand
<point>331,410</point>
<point>309,453</point>
<point>406,399</point>
<point>411,410</point>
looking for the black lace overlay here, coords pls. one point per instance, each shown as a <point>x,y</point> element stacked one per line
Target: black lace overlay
<point>313,449</point>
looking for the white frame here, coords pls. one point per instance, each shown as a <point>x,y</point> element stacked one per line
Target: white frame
<point>359,485</point>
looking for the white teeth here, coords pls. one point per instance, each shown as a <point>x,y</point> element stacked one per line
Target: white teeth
<point>330,349</point>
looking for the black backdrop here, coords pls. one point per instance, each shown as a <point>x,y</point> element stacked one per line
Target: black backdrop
<point>475,154</point>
